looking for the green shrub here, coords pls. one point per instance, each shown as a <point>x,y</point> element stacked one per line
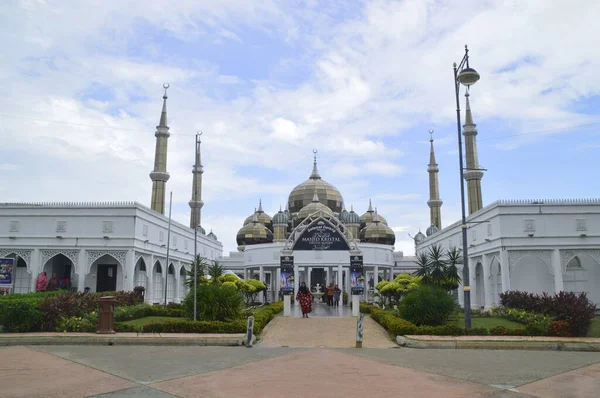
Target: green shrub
<point>559,329</point>
<point>390,322</point>
<point>476,332</point>
<point>426,305</point>
<point>126,328</point>
<point>195,327</point>
<point>21,315</point>
<point>264,315</point>
<point>538,321</point>
<point>228,278</point>
<point>76,324</point>
<point>159,310</point>
<point>214,304</point>
<point>138,311</point>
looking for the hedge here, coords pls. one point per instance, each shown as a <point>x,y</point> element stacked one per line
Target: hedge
<point>262,316</point>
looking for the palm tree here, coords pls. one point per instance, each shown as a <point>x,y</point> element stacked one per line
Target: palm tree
<point>200,264</point>
<point>215,271</point>
<point>454,257</point>
<point>438,267</point>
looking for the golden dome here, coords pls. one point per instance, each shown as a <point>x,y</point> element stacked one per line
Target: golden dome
<point>376,232</point>
<point>263,217</point>
<point>254,233</point>
<point>328,194</point>
<point>367,218</point>
<point>313,207</point>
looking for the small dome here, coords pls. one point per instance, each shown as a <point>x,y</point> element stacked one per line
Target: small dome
<point>280,218</point>
<point>376,232</point>
<point>419,237</point>
<point>212,235</point>
<point>353,218</point>
<point>431,230</point>
<point>313,207</point>
<point>367,218</point>
<point>254,233</point>
<point>343,216</point>
<point>263,217</point>
<point>201,230</point>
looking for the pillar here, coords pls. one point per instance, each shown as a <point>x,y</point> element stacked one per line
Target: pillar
<point>277,284</point>
<point>488,289</point>
<point>375,280</point>
<point>261,277</point>
<point>296,281</point>
<point>81,270</point>
<point>246,274</point>
<point>308,277</point>
<point>339,276</point>
<point>35,268</point>
<point>505,270</point>
<point>461,299</point>
<point>557,267</point>
<point>129,280</point>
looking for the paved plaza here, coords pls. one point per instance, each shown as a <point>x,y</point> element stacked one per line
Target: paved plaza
<point>136,371</point>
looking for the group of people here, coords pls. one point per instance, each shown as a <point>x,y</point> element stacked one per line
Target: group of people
<point>55,283</point>
<point>332,293</point>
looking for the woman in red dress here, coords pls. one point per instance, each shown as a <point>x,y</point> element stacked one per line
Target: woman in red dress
<point>305,299</point>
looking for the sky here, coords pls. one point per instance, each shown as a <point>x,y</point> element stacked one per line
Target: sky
<point>267,82</point>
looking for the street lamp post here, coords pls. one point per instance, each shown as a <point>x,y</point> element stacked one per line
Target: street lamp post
<point>465,75</point>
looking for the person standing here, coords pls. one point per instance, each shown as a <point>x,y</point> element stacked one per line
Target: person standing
<point>330,290</point>
<point>305,299</point>
<point>337,293</point>
<point>41,282</point>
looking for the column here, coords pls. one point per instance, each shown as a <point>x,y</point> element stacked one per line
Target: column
<point>129,280</point>
<point>557,267</point>
<point>375,280</point>
<point>245,273</point>
<point>277,284</point>
<point>308,277</point>
<point>488,289</point>
<point>340,279</point>
<point>261,277</point>
<point>505,270</point>
<point>81,270</point>
<point>35,268</point>
<point>461,297</point>
<point>366,293</point>
<point>149,293</point>
<point>348,290</point>
<point>296,281</point>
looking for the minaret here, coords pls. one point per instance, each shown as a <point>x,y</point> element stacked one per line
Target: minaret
<point>472,174</point>
<point>315,173</point>
<point>196,203</point>
<point>434,202</point>
<point>159,175</point>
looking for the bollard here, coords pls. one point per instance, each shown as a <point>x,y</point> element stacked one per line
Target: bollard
<point>250,332</point>
<point>106,315</point>
<point>359,330</point>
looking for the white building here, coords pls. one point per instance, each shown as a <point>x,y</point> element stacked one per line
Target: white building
<point>109,246</point>
<point>527,245</point>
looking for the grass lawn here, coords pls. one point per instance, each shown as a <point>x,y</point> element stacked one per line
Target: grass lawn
<point>489,323</point>
<point>151,319</point>
<point>595,329</point>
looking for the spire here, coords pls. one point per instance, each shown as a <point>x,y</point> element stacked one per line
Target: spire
<point>473,173</point>
<point>376,217</point>
<point>469,114</point>
<point>434,201</point>
<point>370,210</point>
<point>351,208</point>
<point>159,175</point>
<point>315,173</point>
<point>315,197</point>
<point>260,209</point>
<point>196,202</point>
<point>255,217</point>
<point>163,115</point>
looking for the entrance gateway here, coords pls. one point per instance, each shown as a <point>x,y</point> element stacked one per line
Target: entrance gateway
<point>317,233</point>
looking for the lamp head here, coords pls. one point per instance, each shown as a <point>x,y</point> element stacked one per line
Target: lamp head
<point>468,77</point>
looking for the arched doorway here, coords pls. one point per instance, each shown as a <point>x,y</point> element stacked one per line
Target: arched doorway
<point>582,274</point>
<point>21,275</point>
<point>531,274</point>
<point>106,275</point>
<point>479,286</point>
<point>170,283</point>
<point>158,286</point>
<point>61,268</point>
<point>182,281</point>
<point>139,274</point>
<point>496,281</point>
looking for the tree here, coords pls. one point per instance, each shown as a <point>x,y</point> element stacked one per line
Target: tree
<point>392,291</point>
<point>438,267</point>
<point>200,264</point>
<point>215,271</point>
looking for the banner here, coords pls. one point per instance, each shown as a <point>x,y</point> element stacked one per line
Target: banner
<point>321,235</point>
<point>6,271</point>
<point>286,281</point>
<point>357,279</point>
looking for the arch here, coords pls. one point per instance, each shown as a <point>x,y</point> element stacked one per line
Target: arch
<point>530,273</point>
<point>21,274</point>
<point>157,278</point>
<point>106,274</point>
<point>496,280</point>
<point>170,282</point>
<point>582,274</point>
<point>63,269</point>
<point>140,276</point>
<point>182,282</point>
<point>314,218</point>
<point>479,285</point>
<point>24,255</point>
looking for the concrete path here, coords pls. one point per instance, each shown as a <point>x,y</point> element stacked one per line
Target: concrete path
<point>332,332</point>
<point>134,371</point>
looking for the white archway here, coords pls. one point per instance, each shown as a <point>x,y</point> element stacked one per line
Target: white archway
<point>531,274</point>
<point>158,287</point>
<point>140,277</point>
<point>182,281</point>
<point>495,281</point>
<point>171,283</point>
<point>105,275</point>
<point>582,274</point>
<point>21,274</point>
<point>479,286</point>
<point>62,269</point>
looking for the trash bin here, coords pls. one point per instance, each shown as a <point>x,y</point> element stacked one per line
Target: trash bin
<point>106,315</point>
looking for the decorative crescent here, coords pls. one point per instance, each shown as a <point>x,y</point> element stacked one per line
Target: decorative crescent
<point>166,86</point>
<point>315,151</point>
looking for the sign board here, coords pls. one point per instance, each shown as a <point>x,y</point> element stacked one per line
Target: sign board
<point>321,235</point>
<point>286,281</point>
<point>7,266</point>
<point>357,278</point>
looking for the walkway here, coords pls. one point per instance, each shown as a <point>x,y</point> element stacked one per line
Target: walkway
<point>223,372</point>
<point>326,327</point>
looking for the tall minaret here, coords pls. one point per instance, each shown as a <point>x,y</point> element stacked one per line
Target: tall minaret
<point>196,203</point>
<point>472,175</point>
<point>159,175</point>
<point>434,202</point>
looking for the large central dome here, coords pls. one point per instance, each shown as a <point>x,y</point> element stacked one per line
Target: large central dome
<point>303,194</point>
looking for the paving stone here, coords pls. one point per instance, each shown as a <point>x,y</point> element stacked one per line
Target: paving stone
<point>583,382</point>
<point>137,392</point>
